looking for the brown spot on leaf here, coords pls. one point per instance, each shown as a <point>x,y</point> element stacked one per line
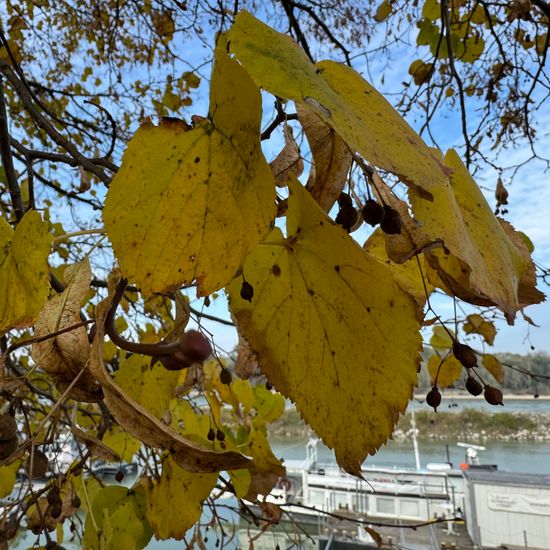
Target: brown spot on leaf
<point>276,270</point>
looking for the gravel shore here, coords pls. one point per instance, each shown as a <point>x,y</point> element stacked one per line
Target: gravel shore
<point>475,425</point>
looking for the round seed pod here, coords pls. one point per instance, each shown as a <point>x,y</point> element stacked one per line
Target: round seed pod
<point>247,291</point>
<point>55,511</point>
<point>391,223</point>
<point>473,386</point>
<point>195,345</point>
<point>40,465</point>
<point>347,217</point>
<point>373,212</point>
<point>211,435</point>
<point>225,376</point>
<point>175,361</point>
<point>344,200</point>
<point>492,395</point>
<point>464,354</point>
<point>434,398</point>
<point>8,447</point>
<point>53,497</point>
<point>8,427</point>
<point>76,502</point>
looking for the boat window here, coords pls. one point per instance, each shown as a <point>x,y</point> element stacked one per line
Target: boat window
<point>316,498</point>
<point>410,508</point>
<point>385,505</point>
<point>341,501</point>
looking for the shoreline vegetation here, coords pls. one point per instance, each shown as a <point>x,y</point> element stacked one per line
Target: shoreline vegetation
<point>471,424</point>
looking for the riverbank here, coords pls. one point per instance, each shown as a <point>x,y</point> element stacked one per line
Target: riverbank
<point>469,424</point>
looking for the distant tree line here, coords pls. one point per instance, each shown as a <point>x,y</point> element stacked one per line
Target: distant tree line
<point>524,374</point>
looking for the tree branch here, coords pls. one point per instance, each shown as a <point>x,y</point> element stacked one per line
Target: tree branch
<point>543,6</point>
<point>47,126</point>
<point>287,6</point>
<point>7,160</point>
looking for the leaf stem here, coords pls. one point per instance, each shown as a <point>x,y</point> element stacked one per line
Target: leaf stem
<point>67,236</point>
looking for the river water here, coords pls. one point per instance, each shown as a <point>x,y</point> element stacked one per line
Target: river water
<point>512,456</point>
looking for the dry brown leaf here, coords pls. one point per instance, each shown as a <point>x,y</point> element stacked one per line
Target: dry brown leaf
<point>246,363</point>
<point>288,161</point>
<point>331,158</point>
<point>96,447</point>
<point>527,292</point>
<point>261,483</point>
<point>271,512</point>
<point>66,355</point>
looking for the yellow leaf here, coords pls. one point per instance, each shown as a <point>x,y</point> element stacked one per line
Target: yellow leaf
<point>407,274</point>
<point>473,48</point>
<point>191,79</point>
<point>370,125</point>
<point>331,158</point>
<point>345,101</point>
<point>476,324</point>
<point>489,264</point>
<point>188,204</point>
<point>441,340</point>
<point>7,478</point>
<point>431,9</point>
<point>270,405</point>
<point>244,392</point>
<point>152,387</point>
<point>122,443</point>
<point>267,468</point>
<point>332,329</point>
<point>171,100</point>
<point>527,292</point>
<point>383,11</point>
<point>163,22</point>
<point>258,446</point>
<point>175,503</point>
<point>420,71</point>
<point>24,279</point>
<point>240,479</point>
<point>449,372</point>
<point>86,488</point>
<point>493,365</point>
<point>119,515</point>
